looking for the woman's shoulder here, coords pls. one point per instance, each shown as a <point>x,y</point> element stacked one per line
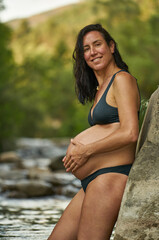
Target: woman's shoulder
<point>125,87</point>
<point>124,78</point>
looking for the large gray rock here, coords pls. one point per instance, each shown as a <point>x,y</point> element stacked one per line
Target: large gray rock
<point>139,213</point>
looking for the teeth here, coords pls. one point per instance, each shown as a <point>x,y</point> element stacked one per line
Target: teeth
<point>96,59</point>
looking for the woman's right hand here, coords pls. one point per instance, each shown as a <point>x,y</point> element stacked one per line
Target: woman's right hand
<point>76,156</point>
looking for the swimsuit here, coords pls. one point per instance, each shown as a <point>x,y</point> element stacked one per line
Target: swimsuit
<point>123,169</point>
<point>103,113</point>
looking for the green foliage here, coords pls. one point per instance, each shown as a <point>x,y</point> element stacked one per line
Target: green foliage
<point>9,102</point>
<point>143,108</point>
<point>37,93</point>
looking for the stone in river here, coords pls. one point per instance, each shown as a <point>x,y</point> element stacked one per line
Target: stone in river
<point>28,188</point>
<point>9,157</point>
<point>35,188</point>
<point>62,179</point>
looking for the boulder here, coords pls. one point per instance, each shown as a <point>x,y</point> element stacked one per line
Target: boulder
<point>62,179</point>
<point>27,188</point>
<point>13,174</point>
<point>138,217</point>
<point>38,148</point>
<point>55,178</point>
<point>9,157</point>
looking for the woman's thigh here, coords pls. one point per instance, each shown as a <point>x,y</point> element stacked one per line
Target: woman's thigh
<point>101,206</point>
<point>67,226</point>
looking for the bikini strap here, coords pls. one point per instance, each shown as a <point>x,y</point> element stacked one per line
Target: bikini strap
<point>111,81</point>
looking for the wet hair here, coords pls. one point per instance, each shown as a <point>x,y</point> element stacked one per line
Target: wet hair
<point>86,82</point>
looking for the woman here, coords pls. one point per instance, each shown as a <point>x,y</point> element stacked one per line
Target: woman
<point>102,155</point>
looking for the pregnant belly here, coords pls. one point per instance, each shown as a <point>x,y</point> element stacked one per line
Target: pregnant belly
<point>118,157</point>
<point>91,135</point>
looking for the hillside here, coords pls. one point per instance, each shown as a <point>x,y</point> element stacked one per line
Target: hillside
<point>38,18</point>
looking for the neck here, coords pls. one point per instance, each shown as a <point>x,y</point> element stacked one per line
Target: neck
<point>104,75</point>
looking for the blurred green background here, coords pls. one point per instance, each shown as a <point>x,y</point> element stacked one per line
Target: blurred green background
<point>37,96</point>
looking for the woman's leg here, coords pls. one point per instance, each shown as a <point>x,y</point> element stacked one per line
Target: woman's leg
<point>67,226</point>
<point>101,206</point>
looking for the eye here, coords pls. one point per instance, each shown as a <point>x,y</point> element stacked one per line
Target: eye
<point>86,49</point>
<point>98,44</point>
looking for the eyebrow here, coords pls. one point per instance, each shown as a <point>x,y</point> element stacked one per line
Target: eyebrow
<point>98,40</point>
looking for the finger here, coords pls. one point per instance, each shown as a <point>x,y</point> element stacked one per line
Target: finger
<point>64,159</point>
<point>75,168</point>
<point>67,159</point>
<point>68,164</point>
<point>72,166</point>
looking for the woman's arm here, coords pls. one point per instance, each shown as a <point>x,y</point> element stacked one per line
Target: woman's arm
<point>127,99</point>
<point>126,96</point>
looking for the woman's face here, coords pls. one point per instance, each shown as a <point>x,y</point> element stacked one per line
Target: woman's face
<point>97,53</point>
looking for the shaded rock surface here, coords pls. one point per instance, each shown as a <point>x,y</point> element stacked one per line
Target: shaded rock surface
<point>139,213</point>
<point>56,163</point>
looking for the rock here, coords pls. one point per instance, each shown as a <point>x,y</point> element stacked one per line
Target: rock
<point>62,179</point>
<point>138,217</point>
<point>42,174</point>
<point>34,188</point>
<point>56,178</point>
<point>63,183</point>
<point>67,191</point>
<point>9,157</point>
<point>41,163</point>
<point>38,148</point>
<point>77,183</point>
<point>56,163</point>
<point>27,188</point>
<point>7,185</point>
<point>13,174</point>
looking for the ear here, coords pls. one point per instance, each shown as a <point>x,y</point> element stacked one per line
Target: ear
<point>112,46</point>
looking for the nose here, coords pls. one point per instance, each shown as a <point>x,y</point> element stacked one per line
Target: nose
<point>93,50</point>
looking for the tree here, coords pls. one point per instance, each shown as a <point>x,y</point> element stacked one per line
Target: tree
<point>9,103</point>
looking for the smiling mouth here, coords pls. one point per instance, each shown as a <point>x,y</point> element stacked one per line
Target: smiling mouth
<point>96,59</point>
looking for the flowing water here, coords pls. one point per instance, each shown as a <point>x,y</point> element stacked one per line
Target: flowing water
<point>31,219</point>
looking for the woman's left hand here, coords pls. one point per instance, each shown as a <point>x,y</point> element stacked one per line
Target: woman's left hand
<point>76,157</point>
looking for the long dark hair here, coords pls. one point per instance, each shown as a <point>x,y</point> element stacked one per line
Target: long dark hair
<point>86,82</point>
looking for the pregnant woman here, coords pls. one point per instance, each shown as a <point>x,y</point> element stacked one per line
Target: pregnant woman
<point>102,155</point>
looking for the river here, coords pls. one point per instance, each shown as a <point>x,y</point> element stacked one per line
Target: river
<point>31,219</point>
